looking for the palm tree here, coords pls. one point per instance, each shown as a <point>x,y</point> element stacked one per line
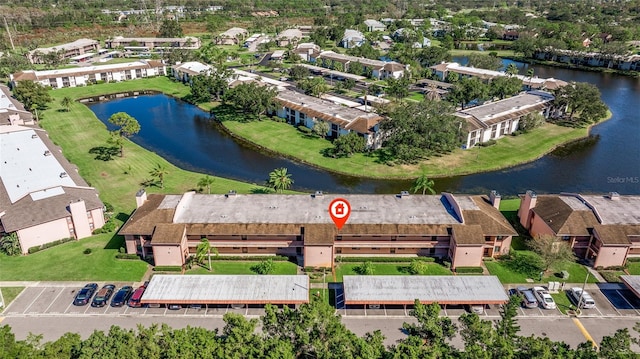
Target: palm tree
<point>159,171</point>
<point>530,74</point>
<point>10,244</point>
<point>279,179</point>
<point>206,181</point>
<point>512,69</point>
<point>424,184</point>
<point>66,103</point>
<point>203,249</point>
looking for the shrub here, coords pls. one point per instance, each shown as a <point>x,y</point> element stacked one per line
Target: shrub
<point>167,269</point>
<point>304,129</point>
<point>87,251</point>
<point>633,259</point>
<point>469,270</point>
<point>49,245</point>
<point>530,121</point>
<point>127,256</point>
<point>264,267</point>
<point>418,267</point>
<point>365,268</point>
<point>611,277</point>
<point>446,264</point>
<point>309,269</point>
<point>618,268</point>
<point>488,259</point>
<point>121,250</point>
<point>108,207</point>
<point>108,227</point>
<point>488,143</point>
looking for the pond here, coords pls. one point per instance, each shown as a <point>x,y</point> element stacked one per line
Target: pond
<point>185,136</point>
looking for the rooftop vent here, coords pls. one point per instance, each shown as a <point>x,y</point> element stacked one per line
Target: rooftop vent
<point>318,194</point>
<point>47,153</point>
<point>34,136</point>
<point>63,174</point>
<point>614,196</point>
<point>232,193</point>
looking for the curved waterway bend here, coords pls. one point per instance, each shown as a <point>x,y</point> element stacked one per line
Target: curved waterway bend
<point>185,136</point>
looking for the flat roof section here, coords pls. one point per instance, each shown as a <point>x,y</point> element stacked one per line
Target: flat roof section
<point>428,289</point>
<point>632,282</point>
<point>227,289</point>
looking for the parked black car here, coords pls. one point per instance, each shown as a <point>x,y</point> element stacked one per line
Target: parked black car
<point>102,297</point>
<point>121,296</point>
<point>84,295</point>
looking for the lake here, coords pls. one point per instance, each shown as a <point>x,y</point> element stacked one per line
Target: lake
<point>185,136</point>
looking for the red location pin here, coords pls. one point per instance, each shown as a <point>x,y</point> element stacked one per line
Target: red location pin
<point>339,210</point>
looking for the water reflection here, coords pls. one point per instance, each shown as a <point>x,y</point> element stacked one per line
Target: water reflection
<point>184,135</point>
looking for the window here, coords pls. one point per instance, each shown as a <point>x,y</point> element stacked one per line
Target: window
<point>566,238</point>
<point>355,248</point>
<point>338,238</point>
<point>496,249</point>
<point>262,248</point>
<point>432,251</point>
<point>338,250</point>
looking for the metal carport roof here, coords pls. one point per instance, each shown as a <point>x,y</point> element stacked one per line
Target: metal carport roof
<point>472,289</point>
<point>227,289</point>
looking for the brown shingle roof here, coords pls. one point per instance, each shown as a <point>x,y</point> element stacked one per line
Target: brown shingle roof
<point>489,218</point>
<point>468,234</point>
<point>562,219</point>
<point>616,233</point>
<point>27,213</point>
<point>168,233</point>
<point>319,234</point>
<point>145,218</point>
<point>243,228</point>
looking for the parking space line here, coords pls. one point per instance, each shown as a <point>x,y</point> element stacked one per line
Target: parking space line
<point>385,309</point>
<point>67,310</point>
<point>584,332</point>
<point>34,300</point>
<point>50,304</point>
<point>625,299</point>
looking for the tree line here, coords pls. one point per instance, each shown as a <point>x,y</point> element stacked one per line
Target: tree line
<point>314,331</point>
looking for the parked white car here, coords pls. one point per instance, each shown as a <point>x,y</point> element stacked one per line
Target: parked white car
<point>544,298</point>
<point>587,301</point>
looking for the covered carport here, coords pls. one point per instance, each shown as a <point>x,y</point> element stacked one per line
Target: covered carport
<point>373,291</point>
<point>243,290</point>
<point>632,282</point>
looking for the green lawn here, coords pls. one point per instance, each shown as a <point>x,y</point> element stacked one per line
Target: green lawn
<point>416,96</point>
<point>68,262</point>
<point>577,274</point>
<point>501,53</point>
<point>243,267</point>
<point>10,293</point>
<point>633,268</point>
<point>509,151</point>
<point>388,269</point>
<point>562,301</point>
<point>509,205</point>
<point>79,130</point>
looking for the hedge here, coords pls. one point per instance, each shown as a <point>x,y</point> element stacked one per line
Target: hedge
<point>610,277</point>
<point>167,269</point>
<point>250,258</point>
<point>469,270</point>
<point>384,259</point>
<point>127,256</point>
<point>488,259</point>
<point>49,245</point>
<point>633,259</point>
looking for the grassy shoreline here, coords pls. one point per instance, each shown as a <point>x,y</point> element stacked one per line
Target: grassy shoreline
<point>117,180</point>
<point>283,139</point>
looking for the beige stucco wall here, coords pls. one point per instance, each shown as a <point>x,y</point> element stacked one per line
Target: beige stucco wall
<point>98,218</point>
<point>130,243</point>
<point>470,256</point>
<point>538,227</point>
<point>318,256</point>
<point>44,233</point>
<point>167,255</point>
<point>505,245</point>
<point>611,256</point>
<point>80,219</point>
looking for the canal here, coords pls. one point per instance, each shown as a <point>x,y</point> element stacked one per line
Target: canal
<point>185,136</point>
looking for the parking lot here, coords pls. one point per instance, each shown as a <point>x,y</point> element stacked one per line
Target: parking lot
<point>612,300</point>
